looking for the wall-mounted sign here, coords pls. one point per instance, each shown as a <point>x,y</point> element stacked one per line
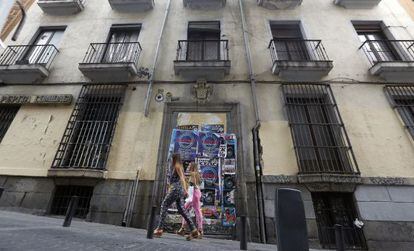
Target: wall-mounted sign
<point>59,99</point>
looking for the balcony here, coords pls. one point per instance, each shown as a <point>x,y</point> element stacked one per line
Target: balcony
<point>111,61</point>
<point>61,7</point>
<point>299,59</point>
<point>279,4</point>
<point>204,4</point>
<point>392,60</point>
<point>131,5</point>
<point>357,4</point>
<point>26,64</point>
<point>202,59</point>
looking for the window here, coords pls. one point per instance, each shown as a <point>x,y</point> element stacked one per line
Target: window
<point>122,43</point>
<point>337,208</point>
<point>203,41</point>
<point>46,42</point>
<point>375,42</point>
<point>319,136</point>
<point>402,100</point>
<point>289,41</point>
<point>88,135</point>
<point>63,195</point>
<point>7,114</point>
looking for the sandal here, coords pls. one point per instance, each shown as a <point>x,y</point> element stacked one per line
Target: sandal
<point>200,234</point>
<point>158,232</point>
<point>193,235</point>
<point>181,231</point>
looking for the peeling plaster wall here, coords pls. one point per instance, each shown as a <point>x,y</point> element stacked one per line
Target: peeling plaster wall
<point>381,145</point>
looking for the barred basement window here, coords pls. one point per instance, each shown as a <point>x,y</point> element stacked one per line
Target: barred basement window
<point>90,130</point>
<point>337,208</point>
<point>63,195</point>
<point>7,114</point>
<point>319,136</point>
<point>402,100</point>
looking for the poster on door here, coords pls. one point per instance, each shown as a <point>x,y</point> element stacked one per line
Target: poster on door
<point>215,153</point>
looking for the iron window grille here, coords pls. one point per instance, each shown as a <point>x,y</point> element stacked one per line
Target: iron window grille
<point>91,127</point>
<point>63,195</point>
<point>337,208</point>
<point>320,140</point>
<point>402,100</point>
<point>7,114</point>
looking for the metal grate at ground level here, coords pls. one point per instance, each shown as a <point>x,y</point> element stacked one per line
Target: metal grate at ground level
<point>401,98</point>
<point>90,130</point>
<point>63,195</point>
<point>7,114</point>
<point>337,208</point>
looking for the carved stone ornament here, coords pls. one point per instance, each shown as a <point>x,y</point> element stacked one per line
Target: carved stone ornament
<point>202,91</point>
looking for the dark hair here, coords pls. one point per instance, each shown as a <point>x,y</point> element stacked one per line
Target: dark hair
<point>176,158</point>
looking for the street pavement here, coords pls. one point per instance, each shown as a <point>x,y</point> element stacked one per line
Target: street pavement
<point>20,231</point>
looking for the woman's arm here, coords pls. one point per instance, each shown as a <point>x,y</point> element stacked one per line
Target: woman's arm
<point>179,170</point>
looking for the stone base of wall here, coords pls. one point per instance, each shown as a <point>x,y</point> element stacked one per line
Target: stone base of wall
<point>387,212</point>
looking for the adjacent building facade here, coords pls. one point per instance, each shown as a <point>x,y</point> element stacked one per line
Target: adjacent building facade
<point>319,93</point>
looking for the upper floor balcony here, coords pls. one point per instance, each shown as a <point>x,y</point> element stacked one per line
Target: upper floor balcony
<point>279,4</point>
<point>111,61</point>
<point>357,4</point>
<point>26,63</point>
<point>299,59</point>
<point>202,59</point>
<point>131,5</point>
<point>204,4</point>
<point>392,60</point>
<point>61,7</point>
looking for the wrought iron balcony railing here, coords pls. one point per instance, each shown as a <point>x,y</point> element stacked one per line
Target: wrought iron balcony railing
<point>378,51</point>
<point>28,55</point>
<point>303,50</point>
<point>202,50</point>
<point>113,53</point>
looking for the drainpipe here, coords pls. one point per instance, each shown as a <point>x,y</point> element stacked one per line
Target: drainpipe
<point>154,65</point>
<point>21,23</point>
<point>257,149</point>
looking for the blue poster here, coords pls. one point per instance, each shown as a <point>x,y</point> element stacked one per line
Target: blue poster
<point>208,144</point>
<point>185,143</point>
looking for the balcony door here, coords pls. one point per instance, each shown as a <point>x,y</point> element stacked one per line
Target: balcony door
<point>376,43</point>
<point>43,46</point>
<point>122,44</point>
<point>289,42</point>
<point>203,41</point>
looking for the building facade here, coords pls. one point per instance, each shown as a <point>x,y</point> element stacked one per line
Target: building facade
<point>317,92</point>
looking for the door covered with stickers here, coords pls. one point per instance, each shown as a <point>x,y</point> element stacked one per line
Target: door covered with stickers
<point>202,138</point>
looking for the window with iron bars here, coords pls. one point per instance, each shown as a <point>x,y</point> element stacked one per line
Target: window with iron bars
<point>337,208</point>
<point>90,130</point>
<point>402,100</point>
<point>7,114</point>
<point>63,195</point>
<point>319,136</point>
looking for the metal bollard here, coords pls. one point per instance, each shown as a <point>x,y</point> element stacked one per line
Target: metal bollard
<point>243,233</point>
<point>150,227</point>
<point>339,238</point>
<point>1,191</point>
<point>70,212</point>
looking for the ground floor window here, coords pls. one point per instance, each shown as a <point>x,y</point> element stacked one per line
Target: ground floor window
<point>7,114</point>
<point>63,195</point>
<point>337,208</point>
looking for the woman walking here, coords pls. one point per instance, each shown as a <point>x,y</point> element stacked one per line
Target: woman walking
<point>194,202</point>
<point>176,193</point>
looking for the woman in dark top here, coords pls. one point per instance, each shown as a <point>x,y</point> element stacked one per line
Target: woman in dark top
<point>176,193</point>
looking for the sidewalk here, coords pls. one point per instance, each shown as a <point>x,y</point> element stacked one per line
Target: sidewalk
<point>28,232</point>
